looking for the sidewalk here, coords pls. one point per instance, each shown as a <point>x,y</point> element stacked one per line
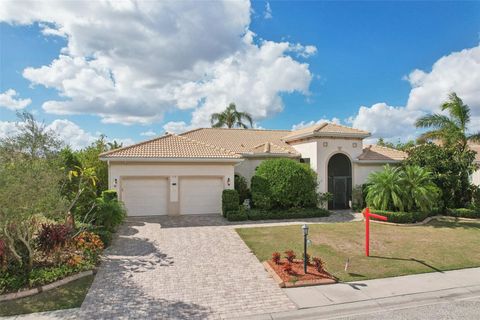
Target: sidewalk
<point>344,299</point>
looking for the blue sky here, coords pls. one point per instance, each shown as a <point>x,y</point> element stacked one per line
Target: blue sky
<point>365,54</point>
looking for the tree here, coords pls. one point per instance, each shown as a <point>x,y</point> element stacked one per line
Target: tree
<point>451,169</point>
<point>403,146</point>
<point>231,118</point>
<point>419,190</point>
<point>451,130</point>
<point>384,191</point>
<point>33,140</point>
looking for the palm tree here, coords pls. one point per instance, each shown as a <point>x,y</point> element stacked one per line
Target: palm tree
<point>231,118</point>
<point>420,192</point>
<point>384,191</point>
<point>452,129</point>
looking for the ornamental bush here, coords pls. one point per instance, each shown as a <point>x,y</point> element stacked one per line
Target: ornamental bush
<point>260,193</point>
<point>230,201</point>
<point>464,213</point>
<point>110,194</point>
<point>109,212</point>
<point>291,184</point>
<point>242,188</point>
<point>402,217</point>
<point>237,215</point>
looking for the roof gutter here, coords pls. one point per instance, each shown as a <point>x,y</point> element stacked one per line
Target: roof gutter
<point>270,155</point>
<point>376,161</point>
<point>203,160</point>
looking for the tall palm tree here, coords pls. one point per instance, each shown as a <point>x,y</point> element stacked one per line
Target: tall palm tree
<point>451,129</point>
<point>231,118</point>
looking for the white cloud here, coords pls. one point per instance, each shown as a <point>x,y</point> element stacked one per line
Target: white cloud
<point>69,132</point>
<point>164,55</point>
<point>9,99</point>
<point>305,124</point>
<point>268,11</point>
<point>457,72</point>
<point>149,133</point>
<point>177,127</point>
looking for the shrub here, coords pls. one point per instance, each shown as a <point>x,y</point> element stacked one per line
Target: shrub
<point>260,193</point>
<point>90,244</point>
<point>237,215</point>
<point>287,267</point>
<point>290,255</point>
<point>276,257</point>
<point>358,198</point>
<point>110,194</point>
<point>258,214</point>
<point>291,184</point>
<point>242,188</point>
<point>401,217</point>
<point>464,213</point>
<point>230,201</point>
<point>105,235</point>
<point>53,236</point>
<point>109,214</point>
<point>319,264</point>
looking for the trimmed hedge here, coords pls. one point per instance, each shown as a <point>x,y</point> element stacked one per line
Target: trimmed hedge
<point>293,213</point>
<point>242,188</point>
<point>260,193</point>
<point>110,194</point>
<point>291,184</point>
<point>237,215</point>
<point>463,213</point>
<point>401,217</point>
<point>230,201</point>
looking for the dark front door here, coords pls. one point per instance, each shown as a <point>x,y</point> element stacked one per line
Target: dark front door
<point>339,181</point>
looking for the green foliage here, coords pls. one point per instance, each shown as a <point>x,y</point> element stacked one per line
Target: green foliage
<point>384,189</point>
<point>402,217</point>
<point>237,215</point>
<point>464,213</point>
<point>260,193</point>
<point>231,118</point>
<point>109,214</point>
<point>398,146</point>
<point>409,188</point>
<point>110,194</point>
<point>450,168</point>
<point>290,184</point>
<point>242,188</point>
<point>230,201</point>
<point>358,200</point>
<point>292,213</point>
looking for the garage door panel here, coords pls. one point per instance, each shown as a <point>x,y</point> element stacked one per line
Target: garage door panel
<point>201,195</point>
<point>145,196</point>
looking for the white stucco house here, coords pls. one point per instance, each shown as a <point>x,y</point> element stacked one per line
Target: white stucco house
<point>186,173</point>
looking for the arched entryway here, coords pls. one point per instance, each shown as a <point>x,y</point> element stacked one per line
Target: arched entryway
<point>340,181</point>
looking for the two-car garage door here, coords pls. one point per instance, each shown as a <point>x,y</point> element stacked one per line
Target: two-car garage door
<point>150,196</point>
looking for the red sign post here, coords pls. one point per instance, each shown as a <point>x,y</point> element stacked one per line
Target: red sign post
<point>367,215</point>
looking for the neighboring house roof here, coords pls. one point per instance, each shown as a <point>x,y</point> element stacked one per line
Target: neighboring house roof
<point>382,154</point>
<point>245,141</point>
<point>326,129</point>
<point>170,146</point>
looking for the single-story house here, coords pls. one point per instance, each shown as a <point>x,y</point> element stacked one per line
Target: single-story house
<point>186,173</point>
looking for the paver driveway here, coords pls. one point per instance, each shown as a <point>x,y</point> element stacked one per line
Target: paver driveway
<point>181,267</point>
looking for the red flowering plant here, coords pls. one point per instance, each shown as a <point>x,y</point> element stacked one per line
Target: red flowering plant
<point>276,257</point>
<point>319,264</point>
<point>287,267</point>
<point>90,244</point>
<point>290,255</point>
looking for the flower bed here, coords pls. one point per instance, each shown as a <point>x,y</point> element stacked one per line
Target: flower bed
<point>288,272</point>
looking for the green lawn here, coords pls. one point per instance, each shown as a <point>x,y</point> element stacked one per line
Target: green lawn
<point>395,250</point>
<point>68,296</point>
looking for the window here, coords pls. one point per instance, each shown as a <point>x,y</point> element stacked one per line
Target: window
<point>305,160</point>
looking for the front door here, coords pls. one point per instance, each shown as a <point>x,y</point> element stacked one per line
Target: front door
<point>339,181</point>
<point>340,192</point>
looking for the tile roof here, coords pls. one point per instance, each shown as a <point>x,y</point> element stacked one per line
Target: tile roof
<point>170,146</point>
<point>375,152</point>
<point>326,129</point>
<point>244,141</point>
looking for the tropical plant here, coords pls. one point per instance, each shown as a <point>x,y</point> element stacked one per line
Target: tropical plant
<point>451,130</point>
<point>419,190</point>
<point>384,189</point>
<point>231,118</point>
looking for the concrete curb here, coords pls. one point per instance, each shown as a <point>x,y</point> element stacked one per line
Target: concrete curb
<point>47,287</point>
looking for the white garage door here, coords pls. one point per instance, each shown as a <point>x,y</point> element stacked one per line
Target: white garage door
<point>201,195</point>
<point>145,196</point>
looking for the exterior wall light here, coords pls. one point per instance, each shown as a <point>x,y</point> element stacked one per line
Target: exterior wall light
<point>228,182</point>
<point>325,144</point>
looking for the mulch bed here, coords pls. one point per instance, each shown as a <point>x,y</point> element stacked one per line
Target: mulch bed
<point>297,278</point>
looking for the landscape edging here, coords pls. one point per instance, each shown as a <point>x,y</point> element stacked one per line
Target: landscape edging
<point>46,287</point>
<point>427,220</point>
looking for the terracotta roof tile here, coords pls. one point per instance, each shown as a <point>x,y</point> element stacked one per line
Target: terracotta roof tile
<point>379,153</point>
<point>170,146</point>
<point>243,141</point>
<point>326,128</point>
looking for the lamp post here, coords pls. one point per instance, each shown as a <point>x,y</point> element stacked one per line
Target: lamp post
<point>305,234</point>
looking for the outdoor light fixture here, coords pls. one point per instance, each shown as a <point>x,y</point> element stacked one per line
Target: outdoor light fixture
<point>228,182</point>
<point>305,234</point>
<point>325,144</point>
